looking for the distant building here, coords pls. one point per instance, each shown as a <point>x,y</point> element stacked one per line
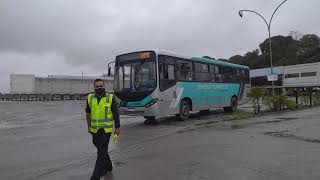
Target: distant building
<point>54,84</point>
<point>259,77</point>
<point>302,75</point>
<point>294,76</point>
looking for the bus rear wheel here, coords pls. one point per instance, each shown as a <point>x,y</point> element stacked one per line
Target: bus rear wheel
<point>184,111</point>
<point>233,107</point>
<point>150,120</point>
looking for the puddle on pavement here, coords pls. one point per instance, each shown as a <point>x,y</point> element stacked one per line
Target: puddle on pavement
<point>285,134</point>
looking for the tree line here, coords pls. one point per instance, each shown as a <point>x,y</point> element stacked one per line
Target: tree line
<point>295,48</point>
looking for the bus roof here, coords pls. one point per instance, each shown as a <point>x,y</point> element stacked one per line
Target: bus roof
<point>197,59</point>
<point>217,62</point>
<point>203,60</point>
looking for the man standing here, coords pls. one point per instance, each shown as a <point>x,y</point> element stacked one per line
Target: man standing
<point>101,113</point>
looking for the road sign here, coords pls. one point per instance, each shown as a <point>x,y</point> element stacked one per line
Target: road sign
<point>273,77</point>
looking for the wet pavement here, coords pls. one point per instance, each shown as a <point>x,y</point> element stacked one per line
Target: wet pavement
<point>49,140</point>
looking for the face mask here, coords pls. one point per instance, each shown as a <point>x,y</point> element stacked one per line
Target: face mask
<point>100,91</point>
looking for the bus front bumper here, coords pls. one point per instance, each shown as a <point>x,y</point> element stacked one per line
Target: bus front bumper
<point>132,111</point>
<point>140,111</point>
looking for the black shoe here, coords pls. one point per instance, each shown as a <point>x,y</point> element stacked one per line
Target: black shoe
<point>94,178</point>
<point>107,171</point>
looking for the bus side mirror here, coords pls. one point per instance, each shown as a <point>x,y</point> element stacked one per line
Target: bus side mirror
<point>109,68</point>
<point>109,71</point>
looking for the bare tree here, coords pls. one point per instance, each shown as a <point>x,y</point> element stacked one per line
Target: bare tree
<point>296,35</point>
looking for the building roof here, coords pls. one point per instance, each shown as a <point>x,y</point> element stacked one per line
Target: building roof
<point>266,71</point>
<point>79,77</point>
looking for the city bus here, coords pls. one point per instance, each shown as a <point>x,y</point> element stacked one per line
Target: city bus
<point>158,83</point>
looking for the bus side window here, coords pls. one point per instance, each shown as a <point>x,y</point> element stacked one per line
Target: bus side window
<point>214,73</point>
<point>184,69</point>
<point>161,71</point>
<point>222,74</point>
<point>161,66</point>
<point>229,75</point>
<point>234,75</point>
<point>239,75</point>
<point>171,72</point>
<point>247,76</point>
<point>201,72</point>
<point>242,75</point>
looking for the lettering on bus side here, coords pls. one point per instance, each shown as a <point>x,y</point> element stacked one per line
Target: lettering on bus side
<point>212,87</point>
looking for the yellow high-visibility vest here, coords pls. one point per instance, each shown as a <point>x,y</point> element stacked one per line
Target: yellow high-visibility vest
<point>101,115</point>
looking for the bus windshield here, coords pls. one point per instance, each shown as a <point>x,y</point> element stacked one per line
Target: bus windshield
<point>135,76</point>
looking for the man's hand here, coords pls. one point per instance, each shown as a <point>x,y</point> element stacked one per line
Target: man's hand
<point>117,131</point>
<point>88,121</point>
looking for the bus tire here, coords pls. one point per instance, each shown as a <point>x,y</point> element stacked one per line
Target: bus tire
<point>184,110</point>
<point>150,120</point>
<point>233,107</point>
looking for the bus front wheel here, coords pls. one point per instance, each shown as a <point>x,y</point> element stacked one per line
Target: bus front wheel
<point>233,107</point>
<point>184,111</point>
<point>150,119</point>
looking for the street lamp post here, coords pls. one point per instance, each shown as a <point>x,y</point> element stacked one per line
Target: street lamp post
<point>269,33</point>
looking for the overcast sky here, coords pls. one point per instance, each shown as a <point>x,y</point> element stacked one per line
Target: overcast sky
<point>67,37</point>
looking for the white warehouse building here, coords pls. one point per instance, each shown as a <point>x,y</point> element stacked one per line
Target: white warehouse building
<point>55,84</point>
<point>293,76</point>
<point>302,75</point>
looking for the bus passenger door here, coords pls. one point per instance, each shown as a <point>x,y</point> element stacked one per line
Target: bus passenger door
<point>167,82</point>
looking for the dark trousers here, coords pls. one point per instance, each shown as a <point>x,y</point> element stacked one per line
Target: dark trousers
<point>103,162</point>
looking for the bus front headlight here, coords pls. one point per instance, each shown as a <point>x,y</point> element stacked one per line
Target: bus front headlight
<point>152,102</point>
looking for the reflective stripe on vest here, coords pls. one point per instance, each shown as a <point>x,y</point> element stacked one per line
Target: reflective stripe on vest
<point>101,114</point>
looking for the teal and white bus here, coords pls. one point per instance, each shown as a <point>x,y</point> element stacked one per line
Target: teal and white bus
<point>157,83</point>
